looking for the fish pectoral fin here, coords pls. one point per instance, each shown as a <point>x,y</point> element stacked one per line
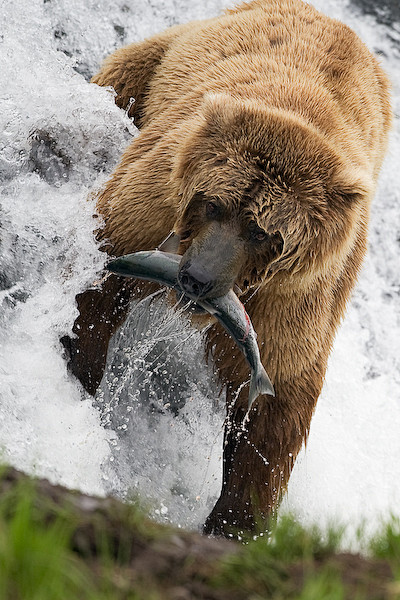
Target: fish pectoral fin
<point>260,383</point>
<point>208,307</point>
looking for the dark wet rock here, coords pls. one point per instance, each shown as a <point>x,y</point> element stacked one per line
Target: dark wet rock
<point>386,12</point>
<point>46,159</point>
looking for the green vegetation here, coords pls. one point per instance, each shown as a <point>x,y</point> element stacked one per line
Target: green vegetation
<point>53,549</point>
<point>387,545</point>
<point>60,545</point>
<point>35,559</point>
<point>265,565</point>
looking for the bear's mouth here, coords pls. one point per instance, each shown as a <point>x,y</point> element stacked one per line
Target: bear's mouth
<point>171,245</point>
<point>189,305</point>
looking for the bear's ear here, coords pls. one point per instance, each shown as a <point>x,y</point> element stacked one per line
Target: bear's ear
<point>219,119</point>
<point>350,184</point>
<point>227,113</point>
<point>219,109</point>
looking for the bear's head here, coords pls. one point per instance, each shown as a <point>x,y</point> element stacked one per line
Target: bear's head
<point>262,192</point>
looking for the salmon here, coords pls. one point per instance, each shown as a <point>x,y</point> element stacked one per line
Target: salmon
<point>163,267</point>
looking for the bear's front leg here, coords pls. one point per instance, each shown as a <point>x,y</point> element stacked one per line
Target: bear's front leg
<point>130,70</point>
<point>101,311</point>
<point>259,453</point>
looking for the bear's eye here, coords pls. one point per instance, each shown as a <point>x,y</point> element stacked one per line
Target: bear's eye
<point>212,210</point>
<point>186,235</point>
<point>259,235</point>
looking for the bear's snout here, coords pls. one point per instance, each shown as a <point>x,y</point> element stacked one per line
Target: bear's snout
<point>210,266</point>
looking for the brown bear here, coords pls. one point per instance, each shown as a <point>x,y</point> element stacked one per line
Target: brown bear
<point>262,135</point>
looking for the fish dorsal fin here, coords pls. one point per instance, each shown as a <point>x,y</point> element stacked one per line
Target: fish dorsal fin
<point>171,243</point>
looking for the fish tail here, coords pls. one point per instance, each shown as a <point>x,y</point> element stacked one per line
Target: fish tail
<point>260,383</point>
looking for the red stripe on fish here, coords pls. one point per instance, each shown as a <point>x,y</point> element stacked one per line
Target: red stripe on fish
<point>248,325</point>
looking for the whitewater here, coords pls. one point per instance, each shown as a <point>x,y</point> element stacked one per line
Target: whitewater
<point>155,426</point>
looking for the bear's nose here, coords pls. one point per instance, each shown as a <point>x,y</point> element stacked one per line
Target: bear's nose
<point>194,280</point>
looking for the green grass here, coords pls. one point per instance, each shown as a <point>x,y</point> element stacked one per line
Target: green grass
<point>35,560</point>
<point>38,560</point>
<point>53,551</point>
<point>263,565</point>
<point>300,563</point>
<point>386,546</point>
<point>324,585</point>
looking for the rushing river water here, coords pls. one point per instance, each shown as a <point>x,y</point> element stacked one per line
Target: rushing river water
<point>156,423</point>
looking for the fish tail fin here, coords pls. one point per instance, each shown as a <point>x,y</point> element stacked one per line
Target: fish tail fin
<point>260,383</point>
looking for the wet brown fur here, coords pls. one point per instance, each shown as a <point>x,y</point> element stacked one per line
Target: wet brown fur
<point>280,116</point>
